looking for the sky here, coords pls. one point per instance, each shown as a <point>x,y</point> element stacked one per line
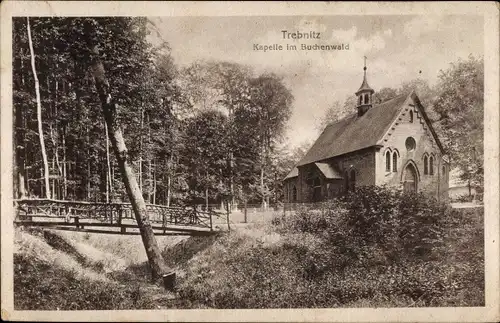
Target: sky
<point>398,48</point>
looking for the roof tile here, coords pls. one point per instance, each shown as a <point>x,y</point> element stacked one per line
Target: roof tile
<point>355,132</point>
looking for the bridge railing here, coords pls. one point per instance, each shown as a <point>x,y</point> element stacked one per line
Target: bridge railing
<point>112,213</point>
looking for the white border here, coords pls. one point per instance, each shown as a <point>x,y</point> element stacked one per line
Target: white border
<point>488,10</point>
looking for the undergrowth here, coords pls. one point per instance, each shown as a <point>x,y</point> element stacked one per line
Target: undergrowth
<point>55,271</point>
<point>373,248</point>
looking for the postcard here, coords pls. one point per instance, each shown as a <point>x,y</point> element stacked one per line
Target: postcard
<point>250,161</point>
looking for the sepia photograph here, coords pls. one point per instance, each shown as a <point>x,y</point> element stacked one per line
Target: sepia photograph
<point>250,161</point>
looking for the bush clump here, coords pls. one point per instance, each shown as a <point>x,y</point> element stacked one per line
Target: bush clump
<point>378,219</point>
<point>374,247</point>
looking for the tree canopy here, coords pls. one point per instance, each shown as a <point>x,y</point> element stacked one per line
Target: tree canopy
<point>208,127</point>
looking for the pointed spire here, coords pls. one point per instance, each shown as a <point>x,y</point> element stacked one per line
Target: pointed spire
<point>364,86</point>
<point>364,94</point>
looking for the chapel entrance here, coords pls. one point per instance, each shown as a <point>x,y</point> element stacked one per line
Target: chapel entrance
<point>410,179</point>
<point>316,190</point>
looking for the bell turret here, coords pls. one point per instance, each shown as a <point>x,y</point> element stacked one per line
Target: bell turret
<point>364,95</point>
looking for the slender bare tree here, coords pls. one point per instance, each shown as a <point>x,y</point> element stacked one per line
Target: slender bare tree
<point>39,113</point>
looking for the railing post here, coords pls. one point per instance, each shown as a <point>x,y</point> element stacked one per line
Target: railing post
<point>245,211</point>
<point>211,221</point>
<point>66,213</point>
<point>120,214</point>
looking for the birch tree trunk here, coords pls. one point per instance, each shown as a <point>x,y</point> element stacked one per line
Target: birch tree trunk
<point>65,174</point>
<point>169,183</point>
<point>55,157</point>
<point>140,149</point>
<point>150,180</point>
<point>156,262</point>
<point>109,176</point>
<point>206,193</point>
<point>150,162</point>
<point>20,150</point>
<point>56,141</point>
<point>19,153</point>
<point>169,179</point>
<point>262,188</point>
<point>39,114</point>
<point>20,189</point>
<point>154,183</point>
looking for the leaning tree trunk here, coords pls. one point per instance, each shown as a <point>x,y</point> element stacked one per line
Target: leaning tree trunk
<point>39,114</point>
<point>156,262</point>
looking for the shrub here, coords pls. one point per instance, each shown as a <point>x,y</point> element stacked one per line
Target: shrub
<point>306,270</point>
<point>375,246</point>
<point>376,219</point>
<point>463,198</point>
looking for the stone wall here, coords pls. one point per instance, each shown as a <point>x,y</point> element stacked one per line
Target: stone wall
<point>363,163</point>
<point>395,141</point>
<point>370,164</point>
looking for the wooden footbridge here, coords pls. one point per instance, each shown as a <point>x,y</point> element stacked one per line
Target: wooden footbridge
<point>113,218</point>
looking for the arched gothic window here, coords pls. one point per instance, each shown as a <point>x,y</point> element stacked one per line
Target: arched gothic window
<point>411,116</point>
<point>388,161</point>
<point>366,98</point>
<point>426,165</point>
<point>360,100</point>
<point>394,161</point>
<point>431,165</point>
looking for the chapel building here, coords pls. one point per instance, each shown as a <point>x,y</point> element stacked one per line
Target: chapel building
<point>390,143</point>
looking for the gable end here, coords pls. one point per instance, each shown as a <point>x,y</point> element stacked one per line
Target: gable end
<point>420,116</point>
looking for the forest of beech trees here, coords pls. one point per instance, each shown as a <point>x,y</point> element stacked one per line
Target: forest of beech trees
<point>197,134</point>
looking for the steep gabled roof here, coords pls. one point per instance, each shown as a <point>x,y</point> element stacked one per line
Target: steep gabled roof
<point>428,121</point>
<point>293,173</point>
<point>355,132</point>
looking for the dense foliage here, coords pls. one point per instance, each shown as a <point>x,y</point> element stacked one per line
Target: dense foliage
<point>336,256</point>
<point>160,107</point>
<point>373,248</point>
